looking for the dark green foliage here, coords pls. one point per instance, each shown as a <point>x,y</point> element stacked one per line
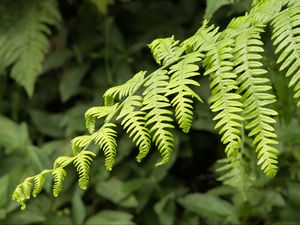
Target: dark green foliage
<point>225,75</point>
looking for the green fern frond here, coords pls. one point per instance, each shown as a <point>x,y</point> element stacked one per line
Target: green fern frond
<point>254,87</point>
<point>127,88</point>
<point>105,138</point>
<point>165,50</point>
<point>158,115</point>
<point>181,77</point>
<point>58,178</point>
<point>134,122</point>
<point>24,40</point>
<point>225,102</point>
<point>62,161</point>
<point>265,10</point>
<point>18,196</point>
<point>233,172</point>
<point>204,37</point>
<point>39,181</point>
<point>80,142</point>
<point>82,163</point>
<point>97,112</point>
<point>286,36</point>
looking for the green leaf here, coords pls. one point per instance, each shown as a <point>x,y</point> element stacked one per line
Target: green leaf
<point>78,208</point>
<point>165,209</point>
<point>110,217</point>
<point>210,206</point>
<point>70,82</point>
<point>12,135</point>
<point>47,123</point>
<point>117,192</point>
<point>213,5</point>
<point>4,183</point>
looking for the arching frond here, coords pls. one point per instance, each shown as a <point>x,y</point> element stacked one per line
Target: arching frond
<point>181,78</point>
<point>97,112</point>
<point>105,138</point>
<point>165,50</point>
<point>158,116</point>
<point>254,87</point>
<point>82,163</point>
<point>133,120</point>
<point>286,36</point>
<point>225,102</point>
<point>127,88</point>
<point>58,178</point>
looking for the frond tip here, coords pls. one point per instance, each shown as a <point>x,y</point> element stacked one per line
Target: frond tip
<point>82,163</point>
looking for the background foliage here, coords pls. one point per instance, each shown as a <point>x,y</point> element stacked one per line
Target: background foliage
<point>54,67</point>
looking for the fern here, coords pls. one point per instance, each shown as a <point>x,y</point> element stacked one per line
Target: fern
<point>96,113</point>
<point>226,103</point>
<point>286,36</point>
<point>105,138</point>
<point>58,177</point>
<point>158,116</point>
<point>82,164</point>
<point>181,74</point>
<point>23,38</point>
<point>148,104</point>
<point>134,121</point>
<point>127,88</point>
<point>165,50</point>
<point>253,87</point>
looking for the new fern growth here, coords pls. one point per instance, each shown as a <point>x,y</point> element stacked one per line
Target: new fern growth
<point>149,105</point>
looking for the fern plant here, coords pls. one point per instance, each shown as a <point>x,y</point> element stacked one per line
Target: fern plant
<point>150,104</point>
<point>24,38</point>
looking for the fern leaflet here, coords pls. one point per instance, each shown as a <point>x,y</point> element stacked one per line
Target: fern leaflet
<point>134,121</point>
<point>158,116</point>
<point>105,138</point>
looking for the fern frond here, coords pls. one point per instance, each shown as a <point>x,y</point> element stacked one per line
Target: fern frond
<point>165,50</point>
<point>82,163</point>
<point>181,77</point>
<point>58,178</point>
<point>127,88</point>
<point>204,37</point>
<point>62,161</point>
<point>134,122</point>
<point>286,36</point>
<point>24,42</point>
<point>105,138</point>
<point>233,173</point>
<point>225,103</point>
<point>158,115</point>
<point>80,142</point>
<point>18,196</point>
<point>254,87</point>
<point>39,181</point>
<point>97,112</point>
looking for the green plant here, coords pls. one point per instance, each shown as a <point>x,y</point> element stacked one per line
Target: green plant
<point>148,105</point>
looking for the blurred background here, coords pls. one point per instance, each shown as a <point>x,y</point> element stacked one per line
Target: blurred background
<point>96,44</point>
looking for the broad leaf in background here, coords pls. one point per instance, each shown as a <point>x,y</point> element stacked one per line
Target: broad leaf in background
<point>212,207</point>
<point>13,136</point>
<point>110,217</point>
<point>213,5</point>
<point>70,83</point>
